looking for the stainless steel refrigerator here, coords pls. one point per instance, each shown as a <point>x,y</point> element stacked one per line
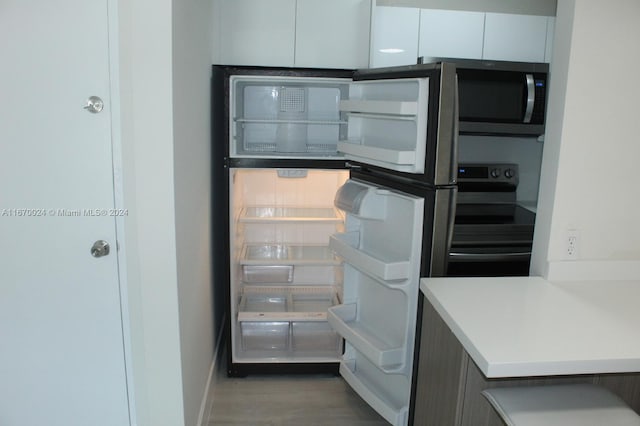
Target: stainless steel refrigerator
<point>334,193</point>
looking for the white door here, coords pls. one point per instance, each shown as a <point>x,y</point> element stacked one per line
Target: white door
<point>61,345</point>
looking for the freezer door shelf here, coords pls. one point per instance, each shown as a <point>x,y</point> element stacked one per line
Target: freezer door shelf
<point>385,393</point>
<point>286,303</point>
<point>408,108</point>
<point>346,246</point>
<point>386,356</point>
<point>378,156</point>
<point>270,214</point>
<point>387,123</point>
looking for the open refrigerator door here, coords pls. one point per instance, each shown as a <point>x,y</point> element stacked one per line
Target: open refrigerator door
<point>381,248</point>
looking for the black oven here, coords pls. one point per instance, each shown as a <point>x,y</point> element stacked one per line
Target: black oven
<point>492,234</point>
<point>502,97</point>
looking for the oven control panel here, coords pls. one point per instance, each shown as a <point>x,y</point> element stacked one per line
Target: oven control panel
<point>489,173</point>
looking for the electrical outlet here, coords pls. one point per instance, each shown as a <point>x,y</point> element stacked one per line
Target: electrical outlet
<point>572,244</point>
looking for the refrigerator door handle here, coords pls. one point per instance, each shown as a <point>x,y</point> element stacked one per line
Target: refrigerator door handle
<point>443,223</point>
<point>446,166</point>
<point>461,256</point>
<point>456,130</point>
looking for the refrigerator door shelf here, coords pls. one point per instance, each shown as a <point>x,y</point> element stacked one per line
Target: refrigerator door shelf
<point>346,246</point>
<point>362,201</point>
<point>343,319</point>
<point>366,382</point>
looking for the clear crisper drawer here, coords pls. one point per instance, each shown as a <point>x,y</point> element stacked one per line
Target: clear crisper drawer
<point>288,321</point>
<point>265,336</point>
<point>298,339</point>
<point>314,337</point>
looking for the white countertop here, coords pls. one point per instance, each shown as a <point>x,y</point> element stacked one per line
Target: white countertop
<point>526,326</point>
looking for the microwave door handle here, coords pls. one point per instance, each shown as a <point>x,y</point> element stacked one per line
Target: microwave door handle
<point>531,98</point>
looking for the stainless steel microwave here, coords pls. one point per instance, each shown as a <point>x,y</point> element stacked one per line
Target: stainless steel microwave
<point>502,98</point>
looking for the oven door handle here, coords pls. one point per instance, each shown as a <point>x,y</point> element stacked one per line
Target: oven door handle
<point>459,256</point>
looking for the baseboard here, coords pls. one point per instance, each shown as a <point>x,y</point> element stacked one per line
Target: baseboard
<point>602,270</point>
<point>207,400</point>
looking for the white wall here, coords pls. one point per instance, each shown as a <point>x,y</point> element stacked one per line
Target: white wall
<point>591,149</point>
<point>150,236</point>
<point>538,7</point>
<point>192,61</point>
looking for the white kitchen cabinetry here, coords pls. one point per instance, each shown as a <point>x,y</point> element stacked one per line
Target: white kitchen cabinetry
<point>257,32</point>
<point>394,36</point>
<point>451,34</point>
<point>332,33</point>
<point>288,33</point>
<point>551,27</point>
<point>509,37</point>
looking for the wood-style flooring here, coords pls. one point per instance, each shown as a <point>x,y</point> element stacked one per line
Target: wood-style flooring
<point>288,400</point>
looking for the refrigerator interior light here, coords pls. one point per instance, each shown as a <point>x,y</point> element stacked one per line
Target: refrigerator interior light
<point>391,50</point>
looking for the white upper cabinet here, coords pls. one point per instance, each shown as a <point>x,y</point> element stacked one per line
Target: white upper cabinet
<point>510,37</point>
<point>288,33</point>
<point>256,32</point>
<point>450,34</point>
<point>332,33</point>
<point>551,27</point>
<point>394,36</point>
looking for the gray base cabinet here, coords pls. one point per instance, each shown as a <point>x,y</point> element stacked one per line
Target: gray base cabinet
<point>449,384</point>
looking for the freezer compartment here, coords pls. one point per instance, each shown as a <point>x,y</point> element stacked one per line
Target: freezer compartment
<point>291,116</point>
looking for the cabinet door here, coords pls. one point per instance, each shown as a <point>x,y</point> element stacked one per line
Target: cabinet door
<point>332,33</point>
<point>551,28</point>
<point>257,32</point>
<point>515,37</point>
<point>394,36</point>
<point>450,34</point>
